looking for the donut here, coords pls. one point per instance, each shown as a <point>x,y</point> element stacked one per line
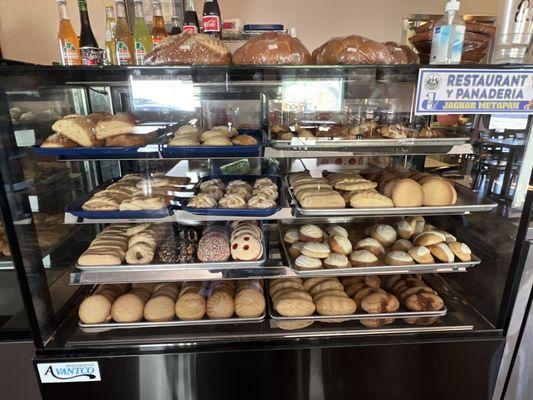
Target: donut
<point>140,253</point>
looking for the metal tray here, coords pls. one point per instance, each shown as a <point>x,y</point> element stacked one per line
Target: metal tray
<point>217,151</point>
<point>467,202</point>
<point>130,325</point>
<point>237,212</point>
<point>337,143</point>
<point>89,153</point>
<point>76,209</point>
<point>375,269</point>
<point>212,266</point>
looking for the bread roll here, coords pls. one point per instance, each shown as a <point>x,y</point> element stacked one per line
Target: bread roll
<point>439,192</point>
<point>407,193</point>
<point>272,48</point>
<point>115,125</point>
<point>352,49</point>
<point>220,304</point>
<point>249,303</point>
<point>96,309</point>
<point>79,129</point>
<point>188,49</point>
<point>128,307</point>
<point>191,304</point>
<point>335,305</point>
<point>58,140</point>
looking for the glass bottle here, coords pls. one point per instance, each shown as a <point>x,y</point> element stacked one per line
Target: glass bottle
<point>110,23</point>
<point>158,23</point>
<point>176,30</point>
<point>141,34</point>
<point>124,45</point>
<point>69,45</point>
<point>90,53</point>
<point>190,18</point>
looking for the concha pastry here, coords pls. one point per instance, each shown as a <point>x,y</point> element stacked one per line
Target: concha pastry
<point>232,201</point>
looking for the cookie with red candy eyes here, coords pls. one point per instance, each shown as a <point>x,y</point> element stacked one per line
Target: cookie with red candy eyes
<point>246,247</point>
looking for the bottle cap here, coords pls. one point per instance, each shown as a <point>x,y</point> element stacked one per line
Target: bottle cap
<point>452,5</point>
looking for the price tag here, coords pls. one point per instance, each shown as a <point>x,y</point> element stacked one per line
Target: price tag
<point>25,137</point>
<point>34,203</point>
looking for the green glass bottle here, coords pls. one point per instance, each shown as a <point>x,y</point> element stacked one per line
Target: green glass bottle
<point>141,34</point>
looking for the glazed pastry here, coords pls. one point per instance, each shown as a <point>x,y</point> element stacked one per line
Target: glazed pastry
<point>335,260</point>
<point>315,250</point>
<point>442,252</point>
<point>311,233</point>
<point>261,202</point>
<point>305,263</point>
<point>398,258</point>
<point>363,258</point>
<point>202,200</point>
<point>385,234</point>
<point>371,245</point>
<point>296,249</point>
<point>461,250</point>
<point>340,244</point>
<point>232,200</point>
<point>402,245</point>
<point>270,192</point>
<point>421,255</point>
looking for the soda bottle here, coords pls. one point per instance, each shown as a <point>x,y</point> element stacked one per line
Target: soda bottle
<point>190,18</point>
<point>110,23</point>
<point>141,35</point>
<point>90,53</point>
<point>158,23</point>
<point>176,30</point>
<point>69,44</point>
<point>124,45</point>
<point>211,19</point>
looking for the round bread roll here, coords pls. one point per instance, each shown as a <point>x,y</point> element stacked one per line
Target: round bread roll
<point>159,309</point>
<point>407,193</point>
<point>295,307</point>
<point>249,303</point>
<point>272,48</point>
<point>95,309</point>
<point>380,302</point>
<point>291,293</point>
<point>335,305</point>
<point>190,306</point>
<point>352,49</point>
<point>220,305</point>
<point>439,192</point>
<point>189,49</point>
<point>128,308</point>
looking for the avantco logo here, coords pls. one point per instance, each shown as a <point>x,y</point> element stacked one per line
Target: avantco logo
<point>69,372</point>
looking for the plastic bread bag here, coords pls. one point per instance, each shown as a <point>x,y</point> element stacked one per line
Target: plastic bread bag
<point>272,48</point>
<point>189,49</point>
<point>352,49</point>
<point>402,54</point>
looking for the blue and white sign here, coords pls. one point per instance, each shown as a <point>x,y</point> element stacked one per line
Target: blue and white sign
<point>65,372</point>
<point>474,91</point>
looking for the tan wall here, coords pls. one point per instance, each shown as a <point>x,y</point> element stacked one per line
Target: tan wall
<point>28,28</point>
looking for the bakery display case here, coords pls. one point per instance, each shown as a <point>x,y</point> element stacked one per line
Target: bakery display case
<point>191,223</point>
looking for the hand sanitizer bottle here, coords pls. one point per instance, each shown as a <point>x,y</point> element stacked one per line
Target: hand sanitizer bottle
<point>448,36</point>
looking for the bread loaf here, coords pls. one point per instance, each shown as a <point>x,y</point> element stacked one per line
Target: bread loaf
<point>352,49</point>
<point>272,48</point>
<point>187,49</point>
<point>114,125</point>
<point>79,129</point>
<point>58,140</point>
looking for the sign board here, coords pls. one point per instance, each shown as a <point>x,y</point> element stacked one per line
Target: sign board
<point>64,372</point>
<point>474,91</point>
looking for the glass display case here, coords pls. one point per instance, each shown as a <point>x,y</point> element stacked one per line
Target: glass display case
<point>267,182</point>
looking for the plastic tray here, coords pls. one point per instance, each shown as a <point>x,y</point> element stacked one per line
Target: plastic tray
<point>217,151</point>
<point>237,212</point>
<point>88,153</point>
<point>76,209</point>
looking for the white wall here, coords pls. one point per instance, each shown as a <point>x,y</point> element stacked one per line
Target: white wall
<point>28,28</point>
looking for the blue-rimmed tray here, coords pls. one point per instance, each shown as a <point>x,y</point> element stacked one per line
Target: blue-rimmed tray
<point>217,151</point>
<point>76,209</point>
<point>89,153</point>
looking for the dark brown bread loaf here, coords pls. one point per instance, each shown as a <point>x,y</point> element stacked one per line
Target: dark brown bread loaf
<point>272,48</point>
<point>187,49</point>
<point>352,49</point>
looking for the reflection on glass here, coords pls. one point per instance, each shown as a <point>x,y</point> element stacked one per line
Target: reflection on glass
<point>312,96</point>
<point>157,93</point>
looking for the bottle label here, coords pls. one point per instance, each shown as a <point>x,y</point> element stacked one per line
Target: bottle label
<point>156,40</point>
<point>211,23</point>
<point>92,56</point>
<point>140,52</point>
<point>70,53</point>
<point>447,44</point>
<point>192,29</point>
<point>123,53</point>
<point>82,5</point>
